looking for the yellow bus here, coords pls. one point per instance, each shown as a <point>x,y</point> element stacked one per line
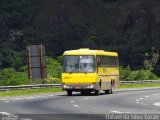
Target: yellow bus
<point>87,71</point>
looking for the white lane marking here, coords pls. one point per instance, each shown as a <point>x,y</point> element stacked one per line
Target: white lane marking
<point>137,102</point>
<point>86,98</point>
<point>146,96</point>
<point>116,112</point>
<point>75,105</point>
<point>141,99</point>
<point>72,101</point>
<point>6,101</point>
<point>157,104</point>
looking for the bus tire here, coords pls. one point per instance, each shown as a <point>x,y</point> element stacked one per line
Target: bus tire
<point>112,86</point>
<point>69,93</point>
<point>97,92</point>
<point>83,93</point>
<point>111,90</point>
<point>107,91</point>
<point>88,92</point>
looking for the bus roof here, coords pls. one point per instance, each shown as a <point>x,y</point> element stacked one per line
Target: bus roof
<point>87,51</point>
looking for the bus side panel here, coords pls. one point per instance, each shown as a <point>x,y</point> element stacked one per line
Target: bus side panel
<point>106,75</point>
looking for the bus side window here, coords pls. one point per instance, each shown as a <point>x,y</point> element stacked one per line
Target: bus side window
<point>117,62</point>
<point>112,58</point>
<point>103,61</point>
<point>114,61</point>
<point>98,60</point>
<point>107,61</point>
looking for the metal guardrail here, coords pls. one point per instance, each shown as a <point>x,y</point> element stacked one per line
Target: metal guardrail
<point>38,86</point>
<point>140,82</point>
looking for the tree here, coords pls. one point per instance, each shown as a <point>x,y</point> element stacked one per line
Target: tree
<point>151,61</point>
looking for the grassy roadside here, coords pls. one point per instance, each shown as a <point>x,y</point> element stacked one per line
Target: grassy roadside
<point>29,92</point>
<point>150,85</point>
<point>54,90</point>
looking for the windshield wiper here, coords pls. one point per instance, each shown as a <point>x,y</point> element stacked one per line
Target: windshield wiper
<point>74,70</point>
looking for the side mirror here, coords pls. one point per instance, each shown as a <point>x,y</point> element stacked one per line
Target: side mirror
<point>98,63</point>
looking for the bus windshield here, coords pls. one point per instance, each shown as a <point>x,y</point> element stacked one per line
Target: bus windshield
<point>79,64</point>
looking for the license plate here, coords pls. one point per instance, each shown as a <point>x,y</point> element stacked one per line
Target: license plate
<point>78,87</point>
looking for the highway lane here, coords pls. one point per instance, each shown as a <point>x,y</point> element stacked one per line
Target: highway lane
<point>122,101</point>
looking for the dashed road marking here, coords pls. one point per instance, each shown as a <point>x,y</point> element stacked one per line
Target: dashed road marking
<point>141,99</point>
<point>75,105</point>
<point>137,102</point>
<point>6,101</point>
<point>157,104</point>
<point>146,96</point>
<point>72,101</point>
<point>116,112</point>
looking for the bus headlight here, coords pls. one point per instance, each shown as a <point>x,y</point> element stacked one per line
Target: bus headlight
<point>64,86</point>
<point>89,86</point>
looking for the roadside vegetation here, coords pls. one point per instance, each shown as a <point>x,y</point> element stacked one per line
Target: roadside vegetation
<point>146,85</point>
<point>29,92</point>
<point>11,76</point>
<point>130,28</point>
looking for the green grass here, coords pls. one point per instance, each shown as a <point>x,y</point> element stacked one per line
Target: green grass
<point>29,92</point>
<point>123,86</point>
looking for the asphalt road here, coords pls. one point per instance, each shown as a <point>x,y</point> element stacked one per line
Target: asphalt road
<point>60,106</point>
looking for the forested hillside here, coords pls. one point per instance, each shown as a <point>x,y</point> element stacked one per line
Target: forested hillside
<point>130,27</point>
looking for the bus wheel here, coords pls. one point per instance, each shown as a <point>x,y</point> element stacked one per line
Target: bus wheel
<point>97,92</point>
<point>111,90</point>
<point>83,92</point>
<point>107,91</point>
<point>69,93</point>
<point>112,86</point>
<point>88,92</point>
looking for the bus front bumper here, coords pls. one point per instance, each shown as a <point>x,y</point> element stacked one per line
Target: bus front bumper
<point>78,87</point>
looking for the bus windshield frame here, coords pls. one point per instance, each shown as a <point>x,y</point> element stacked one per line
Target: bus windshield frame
<point>79,64</point>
